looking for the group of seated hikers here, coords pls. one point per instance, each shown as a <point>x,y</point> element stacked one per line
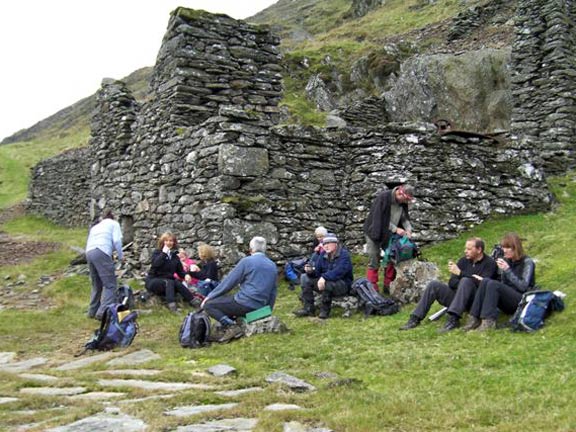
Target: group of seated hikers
<point>479,284</point>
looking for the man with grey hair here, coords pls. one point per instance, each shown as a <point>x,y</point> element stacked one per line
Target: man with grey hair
<point>388,215</point>
<point>257,276</point>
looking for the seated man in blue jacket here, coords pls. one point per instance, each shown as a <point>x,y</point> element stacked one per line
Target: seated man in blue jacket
<point>257,276</point>
<point>331,275</point>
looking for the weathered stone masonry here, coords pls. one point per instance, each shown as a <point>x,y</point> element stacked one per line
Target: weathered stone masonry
<point>203,157</point>
<point>544,80</point>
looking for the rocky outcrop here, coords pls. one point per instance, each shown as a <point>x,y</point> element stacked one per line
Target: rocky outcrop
<point>471,89</point>
<point>360,8</point>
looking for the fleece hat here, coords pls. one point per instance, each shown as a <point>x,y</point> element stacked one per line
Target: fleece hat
<point>330,238</point>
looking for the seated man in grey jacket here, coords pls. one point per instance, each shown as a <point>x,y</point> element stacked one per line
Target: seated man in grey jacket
<point>257,276</point>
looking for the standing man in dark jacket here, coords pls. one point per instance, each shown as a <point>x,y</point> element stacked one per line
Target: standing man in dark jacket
<point>458,294</point>
<point>332,276</point>
<point>388,215</point>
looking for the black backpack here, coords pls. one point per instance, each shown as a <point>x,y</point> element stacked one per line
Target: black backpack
<point>195,330</point>
<point>372,301</point>
<point>126,296</point>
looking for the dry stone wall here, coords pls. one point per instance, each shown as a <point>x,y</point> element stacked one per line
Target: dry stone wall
<point>204,157</point>
<point>544,80</point>
<point>60,188</point>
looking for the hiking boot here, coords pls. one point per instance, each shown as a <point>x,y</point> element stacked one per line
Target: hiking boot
<point>487,324</point>
<point>324,314</point>
<point>452,323</point>
<point>304,312</point>
<point>195,302</point>
<point>231,332</point>
<point>472,324</point>
<point>172,307</point>
<point>413,322</point>
<point>386,290</point>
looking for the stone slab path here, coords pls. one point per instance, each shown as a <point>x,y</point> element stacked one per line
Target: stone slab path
<point>71,389</point>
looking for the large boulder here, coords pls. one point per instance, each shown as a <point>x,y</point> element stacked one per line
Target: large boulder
<point>471,89</point>
<point>411,279</point>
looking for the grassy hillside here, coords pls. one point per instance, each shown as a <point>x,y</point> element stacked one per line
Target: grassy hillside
<point>389,380</point>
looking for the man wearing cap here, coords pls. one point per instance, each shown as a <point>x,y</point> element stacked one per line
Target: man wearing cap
<point>388,215</point>
<point>103,239</point>
<point>331,276</point>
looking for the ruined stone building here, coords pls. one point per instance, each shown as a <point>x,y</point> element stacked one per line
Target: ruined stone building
<point>205,157</point>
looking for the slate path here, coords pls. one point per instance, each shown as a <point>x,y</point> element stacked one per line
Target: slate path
<point>44,380</point>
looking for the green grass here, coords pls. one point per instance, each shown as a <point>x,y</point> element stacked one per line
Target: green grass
<point>417,380</point>
<point>17,159</point>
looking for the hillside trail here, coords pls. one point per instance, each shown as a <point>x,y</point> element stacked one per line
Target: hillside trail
<point>16,290</point>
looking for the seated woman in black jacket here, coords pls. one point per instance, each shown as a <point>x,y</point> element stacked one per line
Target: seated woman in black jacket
<point>517,275</point>
<point>166,262</point>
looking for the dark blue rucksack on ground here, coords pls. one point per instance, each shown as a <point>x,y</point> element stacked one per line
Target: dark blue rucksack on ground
<point>195,330</point>
<point>118,329</point>
<point>533,309</point>
<point>372,301</point>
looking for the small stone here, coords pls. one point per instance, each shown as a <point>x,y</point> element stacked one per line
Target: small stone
<point>239,392</point>
<point>38,377</point>
<point>153,385</point>
<point>185,411</point>
<point>281,407</point>
<point>290,381</point>
<point>4,400</point>
<point>233,425</point>
<point>136,357</point>
<point>53,391</point>
<point>221,370</point>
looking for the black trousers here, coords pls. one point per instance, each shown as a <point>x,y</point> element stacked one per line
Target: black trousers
<point>168,288</point>
<point>492,296</point>
<point>457,301</point>
<point>225,306</point>
<point>332,289</point>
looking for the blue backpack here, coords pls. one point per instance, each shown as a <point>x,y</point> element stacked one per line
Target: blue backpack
<point>534,307</point>
<point>118,328</point>
<point>293,269</point>
<point>195,330</point>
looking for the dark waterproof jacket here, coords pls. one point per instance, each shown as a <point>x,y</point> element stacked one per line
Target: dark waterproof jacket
<point>486,268</point>
<point>377,224</point>
<point>337,267</point>
<point>520,275</point>
<point>164,266</point>
<point>208,270</point>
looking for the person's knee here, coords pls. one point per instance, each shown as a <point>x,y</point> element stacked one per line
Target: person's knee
<point>466,284</point>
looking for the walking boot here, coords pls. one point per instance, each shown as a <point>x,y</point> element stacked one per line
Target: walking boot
<point>452,323</point>
<point>487,324</point>
<point>412,322</point>
<point>472,324</point>
<point>306,311</point>
<point>172,307</point>
<point>230,332</point>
